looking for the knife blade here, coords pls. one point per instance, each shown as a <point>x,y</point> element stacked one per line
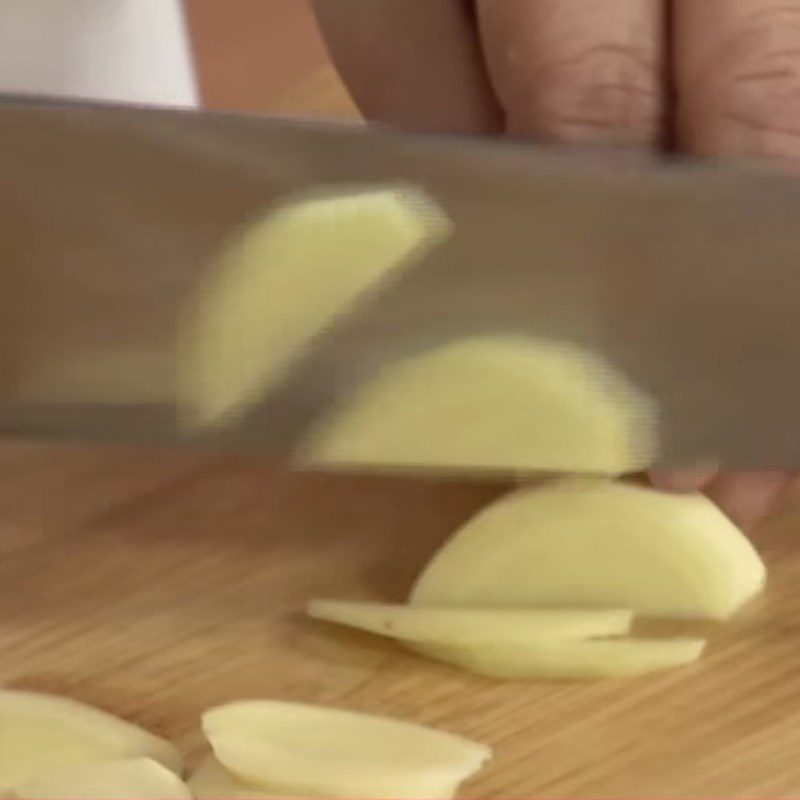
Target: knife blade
<point>685,276</point>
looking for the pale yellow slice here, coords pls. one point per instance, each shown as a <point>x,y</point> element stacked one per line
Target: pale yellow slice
<point>594,542</point>
<point>302,749</point>
<point>41,733</point>
<point>127,779</point>
<point>288,277</point>
<point>491,627</point>
<point>211,781</point>
<point>494,402</point>
<point>597,658</point>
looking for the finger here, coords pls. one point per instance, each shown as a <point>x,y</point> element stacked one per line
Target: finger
<point>738,78</point>
<point>578,72</point>
<point>688,480</point>
<point>748,497</point>
<point>415,64</point>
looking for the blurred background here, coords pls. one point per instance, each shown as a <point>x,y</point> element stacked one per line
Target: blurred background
<point>264,55</point>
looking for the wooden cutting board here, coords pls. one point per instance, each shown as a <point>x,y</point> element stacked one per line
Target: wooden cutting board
<point>156,585</point>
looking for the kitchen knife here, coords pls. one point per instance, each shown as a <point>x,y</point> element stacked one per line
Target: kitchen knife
<point>684,276</point>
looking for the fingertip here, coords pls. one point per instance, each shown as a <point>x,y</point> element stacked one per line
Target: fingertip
<point>749,497</point>
<point>686,480</point>
<point>413,64</point>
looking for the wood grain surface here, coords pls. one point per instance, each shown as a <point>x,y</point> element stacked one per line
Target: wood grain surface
<point>155,585</point>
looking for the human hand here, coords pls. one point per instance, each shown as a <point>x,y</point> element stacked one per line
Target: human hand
<point>708,77</point>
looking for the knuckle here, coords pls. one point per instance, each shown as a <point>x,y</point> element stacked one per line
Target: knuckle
<point>606,95</point>
<point>753,83</point>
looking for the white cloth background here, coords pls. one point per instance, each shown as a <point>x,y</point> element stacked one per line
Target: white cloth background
<point>106,50</point>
